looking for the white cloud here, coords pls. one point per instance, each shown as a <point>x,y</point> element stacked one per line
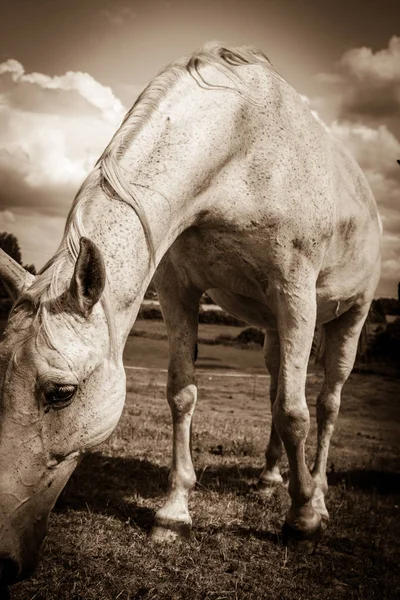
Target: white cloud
<point>365,86</point>
<point>52,130</point>
<point>46,152</point>
<point>6,218</point>
<point>82,84</point>
<point>383,65</point>
<point>119,15</point>
<point>38,234</point>
<point>376,150</point>
<point>368,82</point>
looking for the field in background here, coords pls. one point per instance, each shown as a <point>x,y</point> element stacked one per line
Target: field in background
<point>148,347</point>
<point>98,546</point>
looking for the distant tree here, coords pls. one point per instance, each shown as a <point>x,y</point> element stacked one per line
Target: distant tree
<point>387,306</point>
<point>9,243</point>
<point>151,292</point>
<point>30,268</point>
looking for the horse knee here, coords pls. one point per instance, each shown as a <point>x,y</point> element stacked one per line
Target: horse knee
<point>292,421</point>
<point>328,404</point>
<point>182,401</point>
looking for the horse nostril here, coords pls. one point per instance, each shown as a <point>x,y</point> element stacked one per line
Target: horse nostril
<point>9,572</point>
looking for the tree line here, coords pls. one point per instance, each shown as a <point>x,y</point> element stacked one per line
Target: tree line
<point>9,243</point>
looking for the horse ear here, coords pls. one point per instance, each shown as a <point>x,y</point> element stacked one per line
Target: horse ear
<point>15,278</point>
<point>89,276</point>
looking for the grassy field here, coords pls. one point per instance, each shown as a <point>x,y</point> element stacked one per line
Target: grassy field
<point>98,546</point>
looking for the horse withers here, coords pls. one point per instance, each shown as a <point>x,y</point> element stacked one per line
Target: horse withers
<point>222,180</point>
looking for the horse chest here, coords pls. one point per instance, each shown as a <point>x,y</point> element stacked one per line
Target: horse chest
<point>213,260</point>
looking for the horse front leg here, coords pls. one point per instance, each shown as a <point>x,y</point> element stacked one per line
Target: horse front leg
<point>180,305</point>
<point>296,315</point>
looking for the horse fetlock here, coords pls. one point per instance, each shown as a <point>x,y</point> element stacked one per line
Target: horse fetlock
<point>269,478</point>
<point>301,494</point>
<point>318,502</point>
<point>320,480</point>
<point>182,484</point>
<point>175,508</point>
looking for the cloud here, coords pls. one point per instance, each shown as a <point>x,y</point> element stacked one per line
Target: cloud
<point>6,218</point>
<point>38,234</point>
<point>369,83</point>
<point>363,92</point>
<point>52,130</point>
<point>376,150</point>
<point>37,92</point>
<point>120,15</point>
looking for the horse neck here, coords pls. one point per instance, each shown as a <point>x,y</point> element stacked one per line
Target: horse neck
<point>170,166</point>
<point>118,232</point>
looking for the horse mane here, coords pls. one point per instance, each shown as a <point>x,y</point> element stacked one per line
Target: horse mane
<point>45,294</point>
<point>213,54</point>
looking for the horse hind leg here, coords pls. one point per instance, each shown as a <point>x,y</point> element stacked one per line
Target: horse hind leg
<point>271,476</point>
<point>180,305</point>
<point>341,339</point>
<point>295,307</point>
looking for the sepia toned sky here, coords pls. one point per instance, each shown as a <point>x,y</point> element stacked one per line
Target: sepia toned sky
<point>69,70</point>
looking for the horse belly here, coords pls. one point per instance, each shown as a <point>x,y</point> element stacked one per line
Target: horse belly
<point>244,308</point>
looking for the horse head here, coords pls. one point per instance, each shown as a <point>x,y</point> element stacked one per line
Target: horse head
<point>62,392</point>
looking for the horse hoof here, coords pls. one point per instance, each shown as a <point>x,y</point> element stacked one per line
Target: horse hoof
<point>267,486</point>
<point>301,542</point>
<point>169,531</point>
<point>265,489</point>
<point>324,522</point>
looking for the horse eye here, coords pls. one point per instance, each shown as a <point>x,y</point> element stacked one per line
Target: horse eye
<point>60,396</point>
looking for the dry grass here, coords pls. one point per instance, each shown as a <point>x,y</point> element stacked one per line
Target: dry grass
<point>98,546</point>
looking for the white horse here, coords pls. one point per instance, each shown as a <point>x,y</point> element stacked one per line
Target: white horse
<point>221,177</point>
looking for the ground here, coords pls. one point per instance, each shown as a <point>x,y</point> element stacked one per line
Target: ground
<point>98,546</point>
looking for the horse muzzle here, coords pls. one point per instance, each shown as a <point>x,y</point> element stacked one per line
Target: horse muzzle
<point>19,555</point>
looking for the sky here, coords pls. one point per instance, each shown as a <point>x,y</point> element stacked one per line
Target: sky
<point>70,69</point>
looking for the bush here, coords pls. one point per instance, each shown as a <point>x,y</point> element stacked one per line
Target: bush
<point>218,317</point>
<point>215,317</point>
<point>251,335</point>
<point>386,344</point>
